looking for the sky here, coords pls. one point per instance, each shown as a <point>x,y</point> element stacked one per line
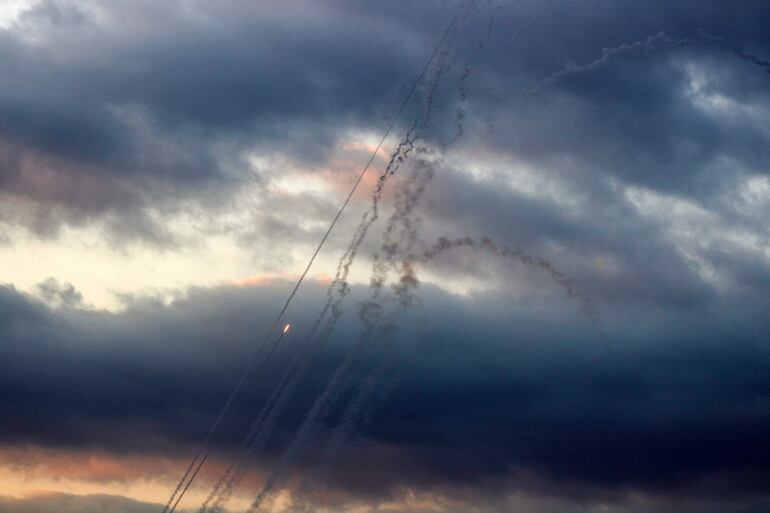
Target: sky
<point>548,293</point>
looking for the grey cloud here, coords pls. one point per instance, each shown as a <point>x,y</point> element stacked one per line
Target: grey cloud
<point>673,398</point>
<point>126,119</point>
<point>197,80</point>
<point>160,96</point>
<point>178,109</point>
<point>603,243</point>
<point>57,293</point>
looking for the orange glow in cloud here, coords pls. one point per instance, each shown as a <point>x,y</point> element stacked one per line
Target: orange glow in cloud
<point>348,162</point>
<point>28,471</point>
<point>266,280</point>
<point>257,281</point>
<point>342,168</point>
<point>359,146</point>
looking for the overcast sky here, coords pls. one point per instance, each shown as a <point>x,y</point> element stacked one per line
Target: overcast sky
<point>561,304</point>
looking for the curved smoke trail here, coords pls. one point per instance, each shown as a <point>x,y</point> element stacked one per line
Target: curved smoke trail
<point>223,488</point>
<point>444,244</point>
<point>371,314</point>
<point>371,391</point>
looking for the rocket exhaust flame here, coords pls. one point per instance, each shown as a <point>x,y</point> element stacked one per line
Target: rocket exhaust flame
<point>286,329</point>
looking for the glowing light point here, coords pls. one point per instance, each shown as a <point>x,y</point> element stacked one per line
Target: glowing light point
<point>286,328</point>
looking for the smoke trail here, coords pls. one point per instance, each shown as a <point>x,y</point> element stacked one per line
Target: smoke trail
<point>460,116</point>
<point>406,199</point>
<point>274,408</point>
<point>371,315</point>
<point>645,45</point>
<point>398,238</point>
<point>186,474</point>
<point>340,282</point>
<point>395,242</point>
<point>207,450</point>
<point>339,287</point>
<point>400,233</point>
<point>224,487</point>
<point>306,431</point>
<point>262,427</point>
<point>648,44</point>
<point>335,294</point>
<point>318,411</point>
<point>371,391</point>
<point>362,406</point>
<point>370,311</point>
<point>206,447</point>
<point>444,244</point>
<point>741,53</point>
<point>226,483</point>
<point>651,43</point>
<point>404,148</point>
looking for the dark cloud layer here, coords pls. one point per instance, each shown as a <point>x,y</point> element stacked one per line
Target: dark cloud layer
<point>139,96</point>
<point>492,393</point>
<point>626,142</point>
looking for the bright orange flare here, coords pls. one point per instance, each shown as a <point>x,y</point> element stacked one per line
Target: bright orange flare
<point>286,328</point>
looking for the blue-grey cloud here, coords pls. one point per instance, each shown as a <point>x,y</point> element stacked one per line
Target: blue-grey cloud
<point>143,95</point>
<point>485,392</point>
<point>625,142</point>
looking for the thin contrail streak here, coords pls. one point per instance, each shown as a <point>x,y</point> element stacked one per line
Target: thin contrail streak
<point>206,448</point>
<point>224,487</point>
<point>230,400</point>
<point>262,426</point>
<point>371,314</point>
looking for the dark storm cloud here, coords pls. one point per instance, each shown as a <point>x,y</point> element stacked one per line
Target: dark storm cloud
<point>160,94</point>
<point>658,414</point>
<point>611,95</point>
<point>108,111</point>
<point>238,72</point>
<point>177,101</point>
<point>672,400</point>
